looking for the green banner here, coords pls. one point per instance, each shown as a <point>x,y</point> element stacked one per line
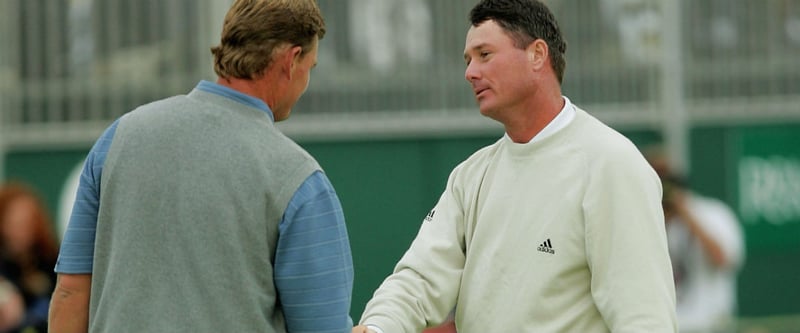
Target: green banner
<point>769,187</point>
<point>767,179</point>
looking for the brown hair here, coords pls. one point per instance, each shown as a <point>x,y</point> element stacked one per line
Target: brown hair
<point>254,29</point>
<point>45,247</point>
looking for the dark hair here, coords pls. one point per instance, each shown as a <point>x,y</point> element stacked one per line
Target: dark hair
<point>525,21</point>
<point>254,29</point>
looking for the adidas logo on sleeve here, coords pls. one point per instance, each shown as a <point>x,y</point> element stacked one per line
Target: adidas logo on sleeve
<point>430,215</point>
<point>546,247</point>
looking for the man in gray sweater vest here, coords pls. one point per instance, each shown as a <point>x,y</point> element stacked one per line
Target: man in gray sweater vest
<point>195,214</point>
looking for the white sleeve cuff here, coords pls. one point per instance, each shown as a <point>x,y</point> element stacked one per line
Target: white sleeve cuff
<point>375,328</point>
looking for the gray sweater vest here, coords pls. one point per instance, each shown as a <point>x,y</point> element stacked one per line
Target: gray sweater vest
<point>193,190</point>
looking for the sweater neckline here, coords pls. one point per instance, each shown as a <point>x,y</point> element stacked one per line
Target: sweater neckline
<point>565,119</point>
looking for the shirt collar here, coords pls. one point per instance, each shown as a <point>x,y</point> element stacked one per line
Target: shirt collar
<point>561,120</point>
<point>218,89</point>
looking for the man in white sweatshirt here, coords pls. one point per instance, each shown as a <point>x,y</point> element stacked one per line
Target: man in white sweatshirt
<point>556,227</point>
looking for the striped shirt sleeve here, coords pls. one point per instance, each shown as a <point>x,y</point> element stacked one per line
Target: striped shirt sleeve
<point>313,262</point>
<point>77,248</point>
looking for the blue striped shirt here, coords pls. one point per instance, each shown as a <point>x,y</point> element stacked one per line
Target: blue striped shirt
<point>313,270</point>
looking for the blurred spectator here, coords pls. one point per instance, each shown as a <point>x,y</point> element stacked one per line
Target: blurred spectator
<point>639,26</point>
<point>791,21</point>
<point>716,27</point>
<point>28,251</point>
<point>723,24</point>
<point>706,246</point>
<point>384,33</point>
<point>68,193</point>
<point>12,307</point>
<point>81,37</point>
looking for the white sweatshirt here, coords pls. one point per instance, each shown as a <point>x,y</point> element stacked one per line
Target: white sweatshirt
<point>562,234</point>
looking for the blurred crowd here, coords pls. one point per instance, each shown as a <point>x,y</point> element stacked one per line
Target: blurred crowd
<point>28,252</point>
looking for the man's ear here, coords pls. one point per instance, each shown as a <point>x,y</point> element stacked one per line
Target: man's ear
<point>289,60</point>
<point>538,53</point>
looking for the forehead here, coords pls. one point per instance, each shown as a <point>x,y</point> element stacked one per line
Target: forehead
<point>488,33</point>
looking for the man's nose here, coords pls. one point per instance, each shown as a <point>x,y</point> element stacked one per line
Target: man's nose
<point>471,73</point>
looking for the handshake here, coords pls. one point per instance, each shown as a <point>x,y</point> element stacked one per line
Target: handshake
<point>362,329</point>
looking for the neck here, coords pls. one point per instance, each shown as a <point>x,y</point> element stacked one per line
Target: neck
<point>250,87</point>
<point>534,117</point>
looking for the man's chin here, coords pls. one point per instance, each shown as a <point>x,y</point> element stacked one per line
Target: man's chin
<point>486,110</point>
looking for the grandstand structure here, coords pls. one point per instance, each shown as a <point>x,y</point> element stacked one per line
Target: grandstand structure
<point>697,74</point>
<point>70,67</point>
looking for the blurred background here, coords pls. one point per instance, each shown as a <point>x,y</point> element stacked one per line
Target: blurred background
<point>388,113</point>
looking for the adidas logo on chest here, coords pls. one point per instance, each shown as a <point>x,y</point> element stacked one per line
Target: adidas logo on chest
<point>546,247</point>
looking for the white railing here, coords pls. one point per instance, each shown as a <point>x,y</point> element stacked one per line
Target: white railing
<point>69,68</point>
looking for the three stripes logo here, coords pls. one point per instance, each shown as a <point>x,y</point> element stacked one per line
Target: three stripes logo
<point>546,247</point>
<point>430,215</point>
